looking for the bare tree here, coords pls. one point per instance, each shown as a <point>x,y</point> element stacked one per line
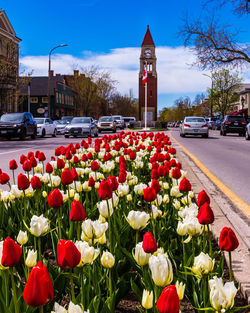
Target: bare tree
<point>214,44</point>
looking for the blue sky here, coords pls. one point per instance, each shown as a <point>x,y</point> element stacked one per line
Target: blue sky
<point>108,34</point>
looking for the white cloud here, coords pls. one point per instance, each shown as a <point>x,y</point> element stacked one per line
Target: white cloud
<point>175,74</point>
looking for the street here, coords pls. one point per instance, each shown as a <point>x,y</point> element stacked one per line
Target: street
<point>228,158</point>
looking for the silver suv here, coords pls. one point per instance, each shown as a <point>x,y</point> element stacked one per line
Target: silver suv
<point>120,123</point>
<point>106,123</point>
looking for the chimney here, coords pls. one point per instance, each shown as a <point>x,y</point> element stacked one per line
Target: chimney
<point>76,73</point>
<point>51,73</point>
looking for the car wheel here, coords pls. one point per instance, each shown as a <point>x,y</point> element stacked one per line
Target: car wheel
<point>181,135</point>
<point>99,131</point>
<point>43,133</point>
<point>23,135</point>
<point>66,136</point>
<point>54,133</point>
<point>247,135</point>
<point>96,133</point>
<point>34,135</point>
<point>224,133</point>
<point>205,136</point>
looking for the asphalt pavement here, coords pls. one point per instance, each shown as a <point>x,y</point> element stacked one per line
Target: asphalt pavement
<point>226,157</point>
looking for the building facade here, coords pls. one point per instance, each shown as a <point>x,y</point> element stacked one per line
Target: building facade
<point>243,103</point>
<point>148,57</point>
<point>35,91</point>
<point>9,65</point>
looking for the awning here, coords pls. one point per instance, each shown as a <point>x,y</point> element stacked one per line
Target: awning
<point>244,111</point>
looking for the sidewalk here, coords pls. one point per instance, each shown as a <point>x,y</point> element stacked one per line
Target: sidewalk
<point>226,214</point>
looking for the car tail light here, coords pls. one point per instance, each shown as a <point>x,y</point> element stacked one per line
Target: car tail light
<point>205,125</point>
<point>227,122</point>
<point>186,125</point>
<point>243,122</point>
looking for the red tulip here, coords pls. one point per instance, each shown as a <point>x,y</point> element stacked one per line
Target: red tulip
<point>22,182</point>
<point>149,194</point>
<point>22,158</point>
<point>202,198</point>
<point>55,199</point>
<point>41,156</point>
<point>68,256</point>
<point>176,173</point>
<point>84,158</point>
<point>27,165</point>
<point>75,159</point>
<point>77,212</point>
<point>68,155</point>
<point>113,183</point>
<point>185,185</point>
<point>57,151</point>
<point>91,182</point>
<point>149,244</point>
<point>74,173</point>
<point>66,177</point>
<point>132,156</point>
<point>104,190</point>
<point>35,182</point>
<point>33,162</point>
<point>168,301</point>
<point>154,174</point>
<point>94,166</point>
<point>49,168</point>
<point>90,155</point>
<point>4,178</point>
<point>228,240</point>
<point>13,165</point>
<point>30,155</point>
<point>37,153</point>
<point>155,184</point>
<point>60,164</point>
<point>38,290</point>
<point>11,253</point>
<point>205,215</point>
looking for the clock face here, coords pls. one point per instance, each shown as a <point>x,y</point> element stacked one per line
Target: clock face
<point>147,53</point>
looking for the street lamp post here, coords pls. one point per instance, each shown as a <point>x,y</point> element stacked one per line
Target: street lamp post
<point>62,45</point>
<point>212,91</point>
<point>242,103</point>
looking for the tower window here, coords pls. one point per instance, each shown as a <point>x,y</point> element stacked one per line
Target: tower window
<point>150,93</point>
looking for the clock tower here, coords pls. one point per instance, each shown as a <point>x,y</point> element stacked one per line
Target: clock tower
<point>148,57</point>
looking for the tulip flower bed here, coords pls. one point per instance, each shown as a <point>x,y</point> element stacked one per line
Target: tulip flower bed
<point>103,218</point>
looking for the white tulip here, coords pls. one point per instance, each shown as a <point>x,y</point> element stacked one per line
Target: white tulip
<point>88,254</point>
<point>107,259</point>
<point>59,309</point>
<point>123,190</point>
<point>165,198</point>
<point>156,213</point>
<point>39,225</point>
<point>140,256</point>
<point>31,259</point>
<point>74,308</point>
<point>147,299</point>
<point>105,209</point>
<point>22,238</point>
<point>180,288</point>
<point>175,192</point>
<point>176,204</point>
<point>203,264</point>
<point>137,219</point>
<point>221,296</point>
<point>161,269</point>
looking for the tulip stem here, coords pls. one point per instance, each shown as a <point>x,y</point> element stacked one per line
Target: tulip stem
<point>39,249</point>
<point>78,230</point>
<point>13,173</point>
<point>110,282</point>
<point>209,240</point>
<point>110,230</point>
<point>14,290</point>
<point>230,267</point>
<point>72,287</point>
<point>59,224</point>
<point>41,309</point>
<point>136,237</point>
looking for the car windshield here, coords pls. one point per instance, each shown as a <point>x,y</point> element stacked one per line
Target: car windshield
<point>39,120</point>
<point>17,117</point>
<point>80,120</point>
<point>106,119</point>
<point>62,122</point>
<point>195,119</point>
<point>235,118</point>
<point>117,117</point>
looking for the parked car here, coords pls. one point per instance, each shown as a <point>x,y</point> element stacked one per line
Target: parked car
<point>81,126</point>
<point>211,122</point>
<point>60,126</point>
<point>194,125</point>
<point>67,118</point>
<point>45,126</point>
<point>233,124</point>
<point>18,125</point>
<point>120,123</point>
<point>132,123</point>
<point>106,123</point>
<point>247,134</point>
<point>128,119</point>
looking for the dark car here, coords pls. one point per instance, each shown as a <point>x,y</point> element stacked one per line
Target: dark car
<point>233,124</point>
<point>18,125</point>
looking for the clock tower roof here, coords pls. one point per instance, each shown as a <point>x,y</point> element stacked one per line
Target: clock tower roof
<point>148,40</point>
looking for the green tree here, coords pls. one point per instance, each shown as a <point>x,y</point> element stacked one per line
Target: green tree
<point>223,93</point>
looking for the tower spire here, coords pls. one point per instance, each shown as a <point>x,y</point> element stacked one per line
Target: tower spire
<point>148,40</point>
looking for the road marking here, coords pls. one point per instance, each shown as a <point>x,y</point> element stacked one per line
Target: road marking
<point>242,205</point>
<point>14,151</point>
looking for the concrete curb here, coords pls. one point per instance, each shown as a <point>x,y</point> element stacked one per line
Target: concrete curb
<point>225,215</point>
